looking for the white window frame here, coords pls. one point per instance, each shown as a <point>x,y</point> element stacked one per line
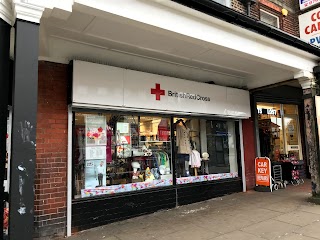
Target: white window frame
<point>266,12</point>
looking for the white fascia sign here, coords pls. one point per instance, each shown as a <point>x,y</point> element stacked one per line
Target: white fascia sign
<point>307,3</point>
<point>309,24</point>
<point>106,87</point>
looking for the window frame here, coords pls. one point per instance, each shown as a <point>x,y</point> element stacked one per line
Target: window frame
<point>270,14</point>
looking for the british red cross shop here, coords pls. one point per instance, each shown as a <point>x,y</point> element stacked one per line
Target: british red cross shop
<point>146,142</point>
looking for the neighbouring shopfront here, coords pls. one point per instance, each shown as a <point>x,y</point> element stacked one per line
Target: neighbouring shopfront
<point>144,142</point>
<point>279,129</point>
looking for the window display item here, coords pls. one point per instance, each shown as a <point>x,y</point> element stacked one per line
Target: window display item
<point>162,169</point>
<point>195,159</point>
<point>136,173</point>
<point>183,137</point>
<point>137,152</point>
<point>205,156</point>
<point>146,151</point>
<point>148,175</point>
<point>205,163</point>
<point>156,173</point>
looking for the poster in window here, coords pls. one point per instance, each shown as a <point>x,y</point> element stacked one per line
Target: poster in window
<point>95,152</point>
<point>96,130</point>
<point>123,138</point>
<point>95,173</point>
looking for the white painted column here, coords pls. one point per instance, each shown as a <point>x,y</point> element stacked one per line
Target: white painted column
<point>69,173</point>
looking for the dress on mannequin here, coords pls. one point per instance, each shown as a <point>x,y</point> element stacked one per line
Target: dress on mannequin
<point>195,159</point>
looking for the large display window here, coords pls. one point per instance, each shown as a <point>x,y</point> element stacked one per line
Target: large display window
<point>205,150</point>
<point>117,152</point>
<point>279,131</point>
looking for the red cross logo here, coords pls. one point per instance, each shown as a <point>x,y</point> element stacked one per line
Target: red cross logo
<point>157,91</point>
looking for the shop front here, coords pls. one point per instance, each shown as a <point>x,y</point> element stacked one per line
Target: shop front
<point>279,131</point>
<point>279,128</point>
<point>144,142</point>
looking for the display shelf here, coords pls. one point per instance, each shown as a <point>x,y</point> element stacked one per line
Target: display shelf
<point>155,141</point>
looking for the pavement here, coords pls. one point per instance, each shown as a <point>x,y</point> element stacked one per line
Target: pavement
<point>284,214</point>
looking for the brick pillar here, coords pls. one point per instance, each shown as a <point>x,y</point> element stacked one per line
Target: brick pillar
<point>52,140</point>
<point>249,151</point>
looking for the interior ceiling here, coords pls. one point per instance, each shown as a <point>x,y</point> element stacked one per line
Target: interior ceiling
<point>125,43</point>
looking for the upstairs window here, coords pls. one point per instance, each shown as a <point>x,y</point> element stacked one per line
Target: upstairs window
<point>269,18</point>
<point>226,3</point>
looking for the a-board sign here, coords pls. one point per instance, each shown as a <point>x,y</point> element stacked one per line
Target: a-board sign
<point>263,171</point>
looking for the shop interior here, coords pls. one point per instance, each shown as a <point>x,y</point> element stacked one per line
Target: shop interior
<point>279,131</point>
<point>125,150</point>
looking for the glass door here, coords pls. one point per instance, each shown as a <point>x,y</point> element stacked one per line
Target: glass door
<point>292,137</point>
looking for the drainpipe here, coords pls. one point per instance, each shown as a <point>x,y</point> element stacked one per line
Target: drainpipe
<point>247,4</point>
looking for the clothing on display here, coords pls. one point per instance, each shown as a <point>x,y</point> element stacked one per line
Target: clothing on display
<point>195,159</point>
<point>183,138</point>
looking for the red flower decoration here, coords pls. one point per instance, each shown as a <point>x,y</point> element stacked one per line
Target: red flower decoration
<point>96,135</point>
<point>100,129</point>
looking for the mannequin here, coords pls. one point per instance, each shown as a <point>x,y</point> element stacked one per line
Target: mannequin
<point>195,159</point>
<point>184,148</point>
<point>135,166</point>
<point>205,161</point>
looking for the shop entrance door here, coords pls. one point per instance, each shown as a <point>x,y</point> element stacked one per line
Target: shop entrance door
<point>292,137</point>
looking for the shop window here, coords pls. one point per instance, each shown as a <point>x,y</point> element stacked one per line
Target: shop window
<point>269,18</point>
<point>205,150</point>
<point>279,132</point>
<point>118,153</point>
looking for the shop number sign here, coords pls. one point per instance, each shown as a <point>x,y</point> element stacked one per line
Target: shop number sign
<point>263,171</point>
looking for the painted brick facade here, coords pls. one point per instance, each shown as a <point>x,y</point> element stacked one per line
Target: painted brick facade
<point>249,151</point>
<point>289,24</point>
<point>51,163</point>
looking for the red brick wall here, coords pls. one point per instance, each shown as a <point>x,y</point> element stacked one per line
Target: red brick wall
<point>51,163</point>
<point>289,24</point>
<point>249,151</point>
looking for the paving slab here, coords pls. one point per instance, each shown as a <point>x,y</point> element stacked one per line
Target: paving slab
<point>254,214</point>
<point>223,224</point>
<point>311,230</point>
<point>311,208</point>
<point>238,235</point>
<point>270,229</point>
<point>295,236</point>
<point>299,218</point>
<point>190,233</point>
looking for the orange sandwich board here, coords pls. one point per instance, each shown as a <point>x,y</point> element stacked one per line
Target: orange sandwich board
<point>263,172</point>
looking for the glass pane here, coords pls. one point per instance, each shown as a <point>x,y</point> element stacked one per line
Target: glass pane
<point>223,2</point>
<point>269,18</point>
<point>119,153</point>
<point>206,150</point>
<point>290,109</point>
<point>270,131</point>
